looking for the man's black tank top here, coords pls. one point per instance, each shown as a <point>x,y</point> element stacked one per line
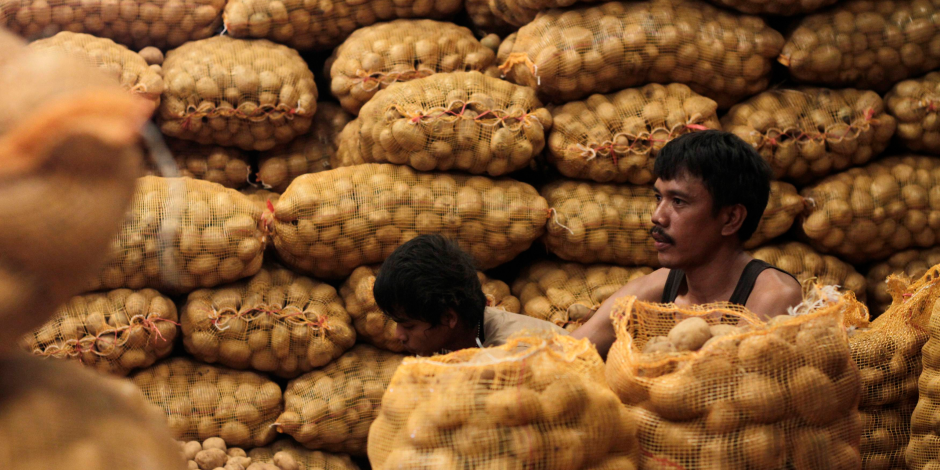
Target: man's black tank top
<point>741,292</point>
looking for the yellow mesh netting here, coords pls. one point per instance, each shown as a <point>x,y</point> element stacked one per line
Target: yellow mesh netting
<point>614,138</point>
<point>912,264</point>
<point>605,223</point>
<point>323,24</point>
<point>568,294</point>
<point>332,222</point>
<point>867,45</point>
<point>522,12</point>
<point>871,212</point>
<point>303,458</point>
<point>182,234</point>
<point>160,23</point>
<point>261,197</point>
<point>449,121</point>
<point>227,166</point>
<point>374,327</point>
<point>535,402</point>
<point>275,322</point>
<point>56,415</point>
<point>485,20</point>
<point>914,104</point>
<point>808,133</point>
<point>756,395</point>
<point>115,332</point>
<point>885,434</point>
<point>68,161</point>
<point>569,54</point>
<point>232,92</point>
<point>805,264</point>
<point>332,408</point>
<point>374,57</point>
<point>785,7</point>
<point>309,153</point>
<point>201,401</point>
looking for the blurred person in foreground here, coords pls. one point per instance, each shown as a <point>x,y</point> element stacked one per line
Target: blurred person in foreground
<point>429,286</point>
<point>711,191</point>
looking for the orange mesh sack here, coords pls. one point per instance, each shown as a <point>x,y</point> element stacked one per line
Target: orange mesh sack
<point>136,24</point>
<point>127,66</point>
<point>871,212</point>
<point>115,332</point>
<point>323,25</point>
<point>808,133</point>
<point>535,402</point>
<point>332,222</point>
<point>275,322</point>
<point>866,45</point>
<point>332,408</point>
<point>914,104</point>
<point>568,294</point>
<point>912,264</point>
<point>68,163</point>
<point>284,454</point>
<point>805,264</point>
<point>569,54</point>
<point>201,401</point>
<point>261,197</point>
<point>606,223</point>
<point>57,415</point>
<point>237,93</point>
<point>227,166</point>
<point>182,234</point>
<point>614,138</point>
<point>885,434</point>
<point>374,57</point>
<point>376,328</point>
<point>923,451</point>
<point>463,121</point>
<point>714,387</point>
<point>309,153</point>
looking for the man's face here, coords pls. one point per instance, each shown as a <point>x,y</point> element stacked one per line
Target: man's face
<point>422,338</point>
<point>685,229</point>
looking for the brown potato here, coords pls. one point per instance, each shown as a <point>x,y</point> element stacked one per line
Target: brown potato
<point>805,263</point>
<point>913,103</point>
<point>303,458</point>
<point>911,264</point>
<point>227,166</point>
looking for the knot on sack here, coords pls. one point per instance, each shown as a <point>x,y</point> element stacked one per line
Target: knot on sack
<point>623,143</point>
<point>318,323</point>
<point>106,341</point>
<point>460,110</point>
<point>259,114</point>
<point>370,82</point>
<point>774,137</point>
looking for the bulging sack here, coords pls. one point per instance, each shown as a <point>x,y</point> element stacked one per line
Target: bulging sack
<point>806,264</point>
<point>910,264</point>
<point>230,167</point>
<point>284,452</point>
<point>914,104</point>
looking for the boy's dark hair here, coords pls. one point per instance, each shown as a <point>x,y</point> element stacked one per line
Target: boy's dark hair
<point>426,277</point>
<point>733,172</point>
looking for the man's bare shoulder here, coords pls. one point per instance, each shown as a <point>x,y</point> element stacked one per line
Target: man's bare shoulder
<point>774,292</point>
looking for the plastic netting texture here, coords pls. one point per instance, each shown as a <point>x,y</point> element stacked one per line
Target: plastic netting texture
<point>914,103</point>
<point>912,264</point>
<point>228,166</point>
<point>805,264</point>
<point>303,458</point>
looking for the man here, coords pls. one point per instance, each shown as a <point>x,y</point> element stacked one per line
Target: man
<point>711,189</point>
<point>429,286</point>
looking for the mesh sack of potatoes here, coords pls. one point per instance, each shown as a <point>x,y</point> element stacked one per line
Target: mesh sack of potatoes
<point>521,12</point>
<point>862,44</point>
<point>136,24</point>
<point>808,133</point>
<point>783,8</point>
<point>910,263</point>
<point>535,402</point>
<point>275,322</point>
<point>568,294</point>
<point>714,387</point>
<point>182,234</point>
<point>376,328</point>
<point>324,24</point>
<point>200,401</point>
<point>285,454</point>
<point>374,57</point>
<point>606,223</point>
<point>237,93</point>
<point>116,331</point>
<point>129,67</point>
<point>484,20</point>
<point>332,222</point>
<point>58,415</point>
<point>569,54</point>
<point>332,408</point>
<point>923,451</point>
<point>227,166</point>
<point>871,212</point>
<point>310,153</point>
<point>804,263</point>
<point>463,121</point>
<point>262,198</point>
<point>885,435</point>
<point>614,138</point>
<point>914,103</point>
<point>68,164</point>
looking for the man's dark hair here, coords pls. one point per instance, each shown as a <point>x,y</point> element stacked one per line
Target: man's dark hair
<point>426,277</point>
<point>733,172</point>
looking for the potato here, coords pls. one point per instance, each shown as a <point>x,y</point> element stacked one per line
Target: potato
<point>319,26</point>
<point>566,54</point>
<point>282,451</point>
<point>793,129</point>
<point>805,263</point>
<point>248,94</point>
<point>214,236</point>
<point>485,20</point>
<point>690,334</point>
<point>113,332</point>
<point>463,121</point>
<point>774,8</point>
<point>201,401</point>
<point>227,166</point>
<point>911,264</point>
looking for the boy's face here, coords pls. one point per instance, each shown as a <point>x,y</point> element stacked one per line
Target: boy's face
<point>422,338</point>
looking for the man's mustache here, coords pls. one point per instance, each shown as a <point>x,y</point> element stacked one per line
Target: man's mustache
<point>658,231</point>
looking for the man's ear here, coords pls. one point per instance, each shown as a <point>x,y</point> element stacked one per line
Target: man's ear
<point>733,218</point>
<point>450,319</point>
